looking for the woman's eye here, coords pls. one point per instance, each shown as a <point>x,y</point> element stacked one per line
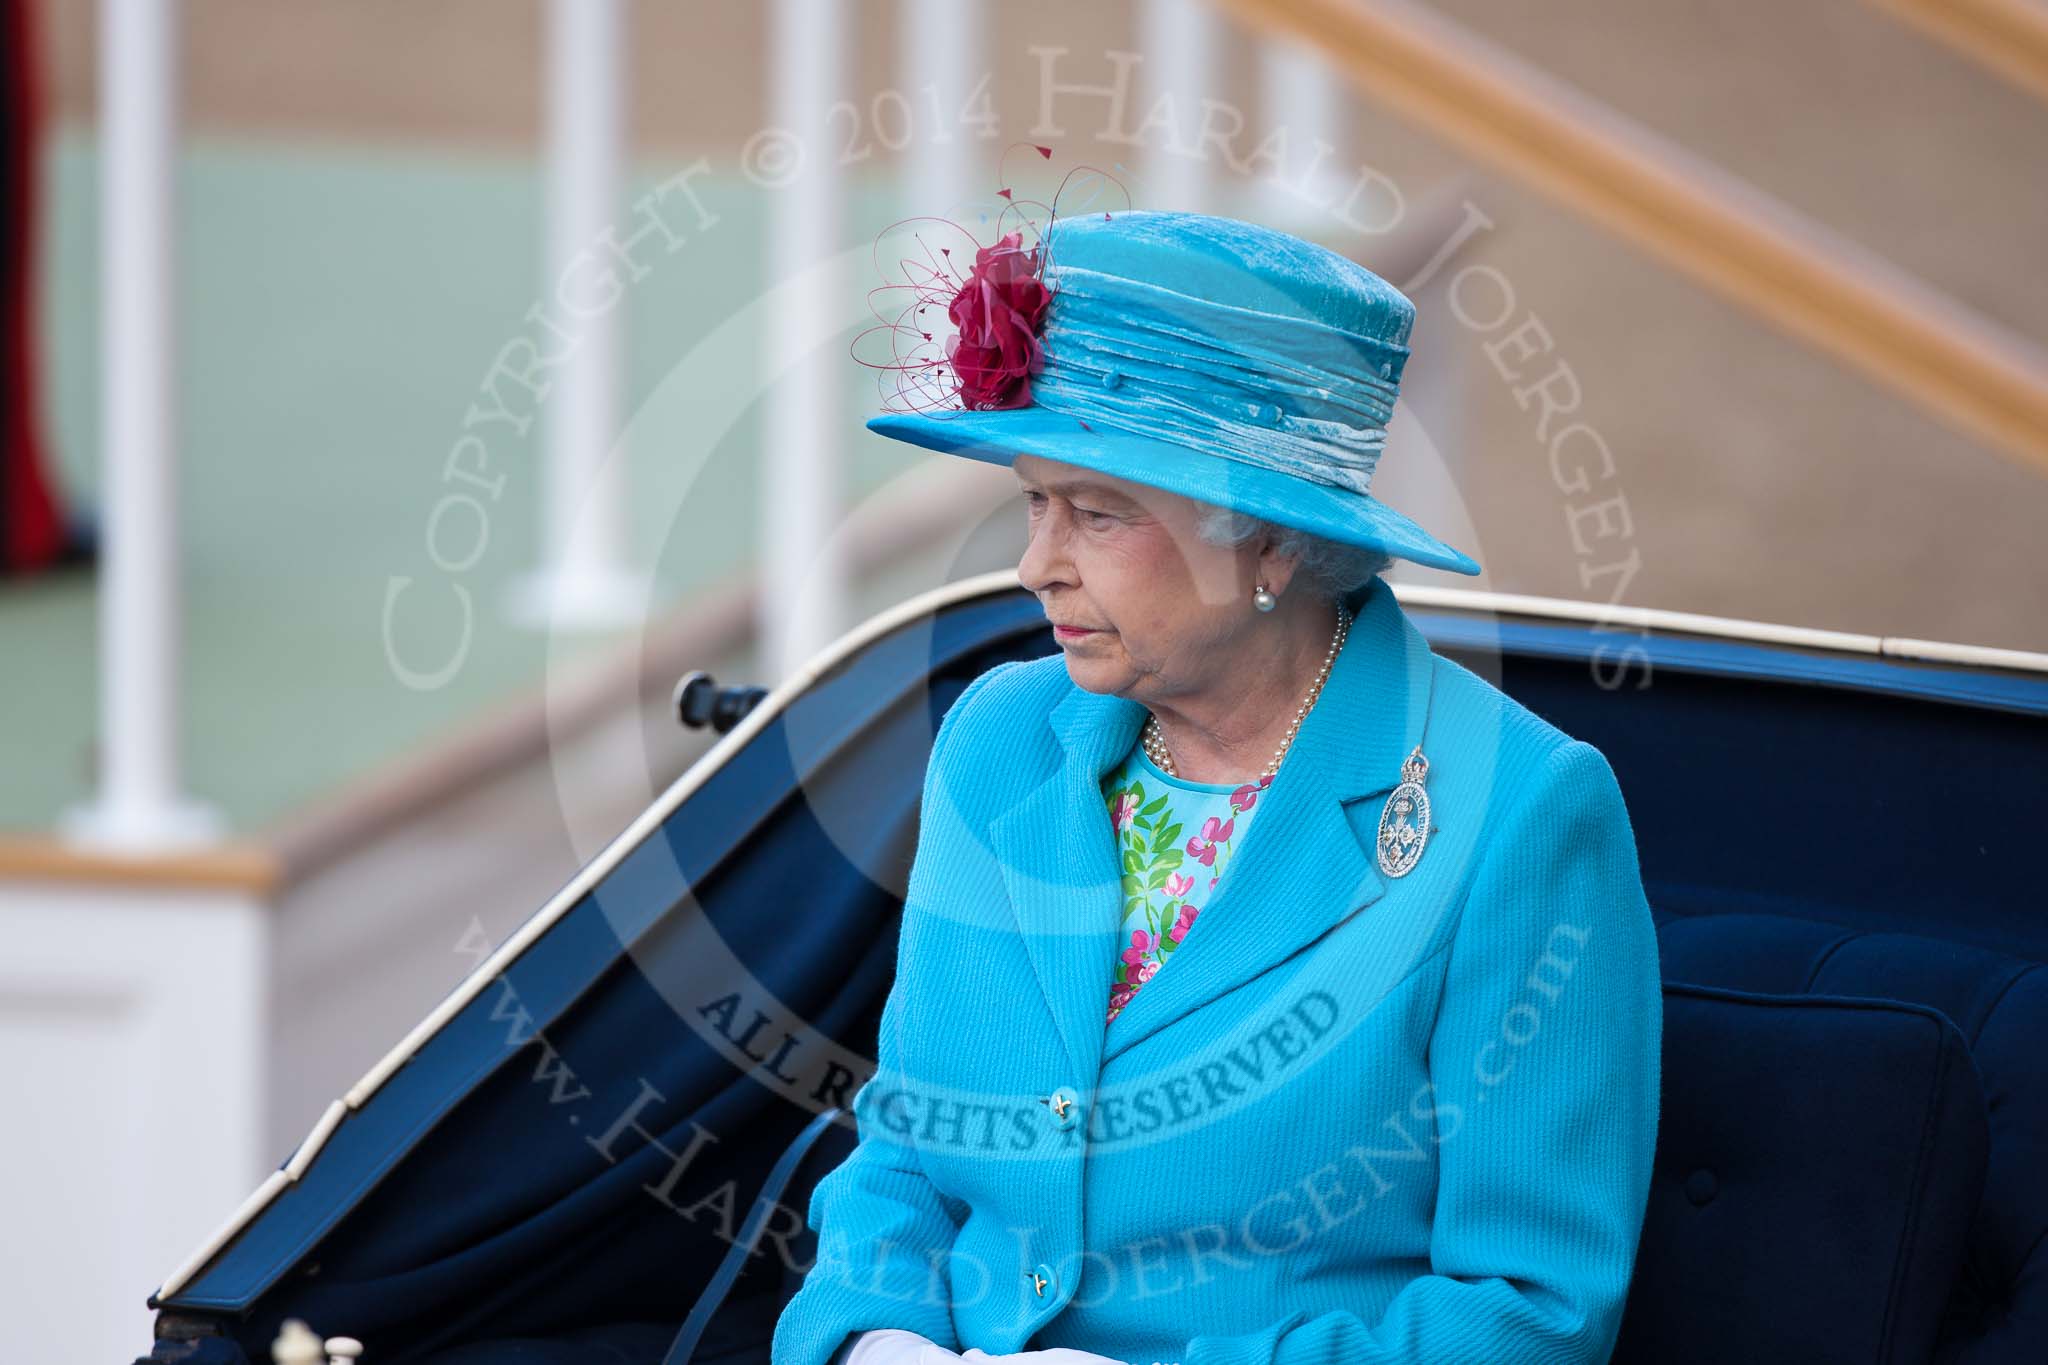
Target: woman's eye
<point>1035,503</point>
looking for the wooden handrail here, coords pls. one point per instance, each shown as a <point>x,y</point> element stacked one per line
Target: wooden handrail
<point>1793,272</point>
<point>2009,36</point>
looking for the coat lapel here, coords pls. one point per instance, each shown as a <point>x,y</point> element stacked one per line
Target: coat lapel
<point>1059,863</point>
<point>1306,864</point>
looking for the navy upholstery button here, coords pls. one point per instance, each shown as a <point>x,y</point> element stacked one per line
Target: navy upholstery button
<point>1701,1187</point>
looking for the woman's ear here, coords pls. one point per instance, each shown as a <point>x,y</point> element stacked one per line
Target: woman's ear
<point>1275,570</point>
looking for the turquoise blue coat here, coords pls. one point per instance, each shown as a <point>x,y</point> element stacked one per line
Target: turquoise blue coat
<point>1359,1117</point>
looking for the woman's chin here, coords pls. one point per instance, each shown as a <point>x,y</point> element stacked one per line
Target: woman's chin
<point>1092,673</point>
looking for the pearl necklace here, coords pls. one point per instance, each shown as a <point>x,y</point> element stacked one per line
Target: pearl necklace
<point>1154,737</point>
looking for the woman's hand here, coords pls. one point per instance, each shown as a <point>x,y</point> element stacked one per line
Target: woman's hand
<point>893,1346</point>
<point>1057,1355</point>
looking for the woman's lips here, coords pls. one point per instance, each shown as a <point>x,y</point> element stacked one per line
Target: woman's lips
<point>1072,632</point>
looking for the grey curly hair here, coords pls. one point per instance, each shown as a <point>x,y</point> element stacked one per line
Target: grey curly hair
<point>1330,568</point>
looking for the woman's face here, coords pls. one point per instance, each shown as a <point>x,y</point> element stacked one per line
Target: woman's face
<point>1160,610</point>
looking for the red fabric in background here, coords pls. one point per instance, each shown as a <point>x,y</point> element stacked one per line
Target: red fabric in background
<point>31,525</point>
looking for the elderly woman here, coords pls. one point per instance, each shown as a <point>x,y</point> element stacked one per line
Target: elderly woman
<point>1271,990</point>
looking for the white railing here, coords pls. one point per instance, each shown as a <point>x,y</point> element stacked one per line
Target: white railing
<point>585,579</point>
<point>140,805</point>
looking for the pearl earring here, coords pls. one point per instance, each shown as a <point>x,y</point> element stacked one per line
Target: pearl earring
<point>1263,600</point>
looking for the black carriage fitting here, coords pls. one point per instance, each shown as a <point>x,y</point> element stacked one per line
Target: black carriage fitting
<point>699,701</point>
<point>186,1327</point>
<point>178,1335</point>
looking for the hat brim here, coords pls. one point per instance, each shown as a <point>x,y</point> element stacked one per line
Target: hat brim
<point>997,437</point>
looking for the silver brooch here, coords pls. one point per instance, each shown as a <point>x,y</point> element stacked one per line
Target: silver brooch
<point>1404,820</point>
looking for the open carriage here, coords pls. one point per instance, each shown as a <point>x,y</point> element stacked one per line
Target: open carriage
<point>600,1147</point>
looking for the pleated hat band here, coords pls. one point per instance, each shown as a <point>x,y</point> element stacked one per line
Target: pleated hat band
<point>1293,396</point>
<point>1230,352</point>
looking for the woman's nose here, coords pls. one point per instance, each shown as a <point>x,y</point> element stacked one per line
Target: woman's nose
<point>1045,562</point>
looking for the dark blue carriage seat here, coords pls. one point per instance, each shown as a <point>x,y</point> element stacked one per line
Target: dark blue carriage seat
<point>1850,1159</point>
<point>1840,852</point>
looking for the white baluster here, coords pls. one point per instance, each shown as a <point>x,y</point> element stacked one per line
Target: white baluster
<point>804,443</point>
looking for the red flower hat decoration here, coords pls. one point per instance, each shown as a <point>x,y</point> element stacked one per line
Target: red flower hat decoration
<point>998,309</point>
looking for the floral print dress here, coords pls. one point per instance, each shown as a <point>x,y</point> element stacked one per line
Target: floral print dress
<point>1174,838</point>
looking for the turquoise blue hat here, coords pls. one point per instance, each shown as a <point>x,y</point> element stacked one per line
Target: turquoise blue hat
<point>1214,358</point>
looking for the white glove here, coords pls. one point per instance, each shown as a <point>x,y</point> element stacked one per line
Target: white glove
<point>1053,1355</point>
<point>894,1346</point>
